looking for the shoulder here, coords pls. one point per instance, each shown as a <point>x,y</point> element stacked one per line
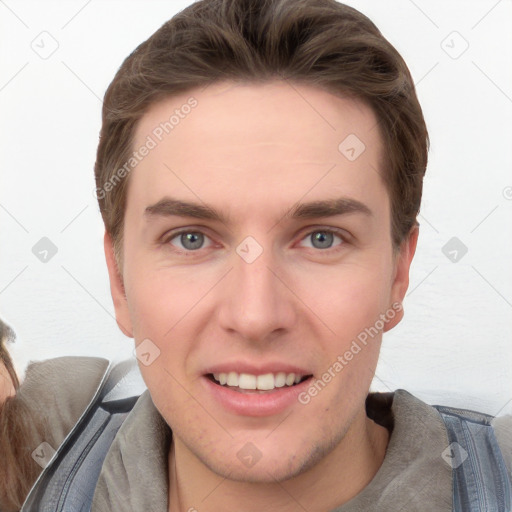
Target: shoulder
<point>413,467</point>
<point>503,430</point>
<point>59,390</point>
<point>501,427</point>
<point>56,369</point>
<point>63,379</point>
<point>440,426</point>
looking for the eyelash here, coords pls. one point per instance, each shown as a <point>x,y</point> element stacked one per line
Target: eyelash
<point>337,232</point>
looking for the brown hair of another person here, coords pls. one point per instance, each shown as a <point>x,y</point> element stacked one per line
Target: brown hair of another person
<point>19,434</point>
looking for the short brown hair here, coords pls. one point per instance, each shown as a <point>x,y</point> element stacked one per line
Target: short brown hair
<point>321,43</point>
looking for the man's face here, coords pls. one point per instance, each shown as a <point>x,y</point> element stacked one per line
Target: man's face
<point>269,288</point>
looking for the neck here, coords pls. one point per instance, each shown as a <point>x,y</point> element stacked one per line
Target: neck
<point>342,474</point>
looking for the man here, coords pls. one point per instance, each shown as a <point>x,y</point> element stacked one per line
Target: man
<point>259,173</point>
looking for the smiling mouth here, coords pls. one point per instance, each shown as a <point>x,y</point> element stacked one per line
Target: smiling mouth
<point>247,383</point>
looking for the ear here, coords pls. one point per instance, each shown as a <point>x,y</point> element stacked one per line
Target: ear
<point>400,284</point>
<point>117,289</point>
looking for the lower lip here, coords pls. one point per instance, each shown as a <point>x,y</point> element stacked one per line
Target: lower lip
<point>256,404</point>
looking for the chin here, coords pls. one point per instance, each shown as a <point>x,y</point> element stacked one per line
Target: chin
<point>263,472</point>
<point>275,462</point>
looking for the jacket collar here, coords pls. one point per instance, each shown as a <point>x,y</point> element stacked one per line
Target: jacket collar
<point>134,475</point>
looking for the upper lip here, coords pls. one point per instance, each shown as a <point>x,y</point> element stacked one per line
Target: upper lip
<point>256,369</point>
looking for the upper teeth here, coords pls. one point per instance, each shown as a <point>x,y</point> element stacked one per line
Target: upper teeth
<point>263,382</point>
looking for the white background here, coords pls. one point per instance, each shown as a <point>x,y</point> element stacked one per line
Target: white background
<point>454,345</point>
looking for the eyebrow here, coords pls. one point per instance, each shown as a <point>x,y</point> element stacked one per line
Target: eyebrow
<point>168,206</point>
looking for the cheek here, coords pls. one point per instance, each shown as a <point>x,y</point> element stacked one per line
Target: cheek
<point>158,299</point>
<point>165,309</point>
<point>348,297</point>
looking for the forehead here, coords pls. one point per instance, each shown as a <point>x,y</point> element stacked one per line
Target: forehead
<point>257,142</point>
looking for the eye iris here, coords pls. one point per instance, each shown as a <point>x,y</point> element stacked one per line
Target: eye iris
<point>192,241</point>
<point>322,239</point>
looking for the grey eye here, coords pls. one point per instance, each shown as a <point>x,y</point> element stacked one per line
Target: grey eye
<point>192,240</point>
<point>322,239</point>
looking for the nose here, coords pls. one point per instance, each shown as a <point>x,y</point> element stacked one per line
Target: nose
<point>257,304</point>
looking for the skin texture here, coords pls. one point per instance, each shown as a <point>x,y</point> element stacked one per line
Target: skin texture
<point>253,151</point>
